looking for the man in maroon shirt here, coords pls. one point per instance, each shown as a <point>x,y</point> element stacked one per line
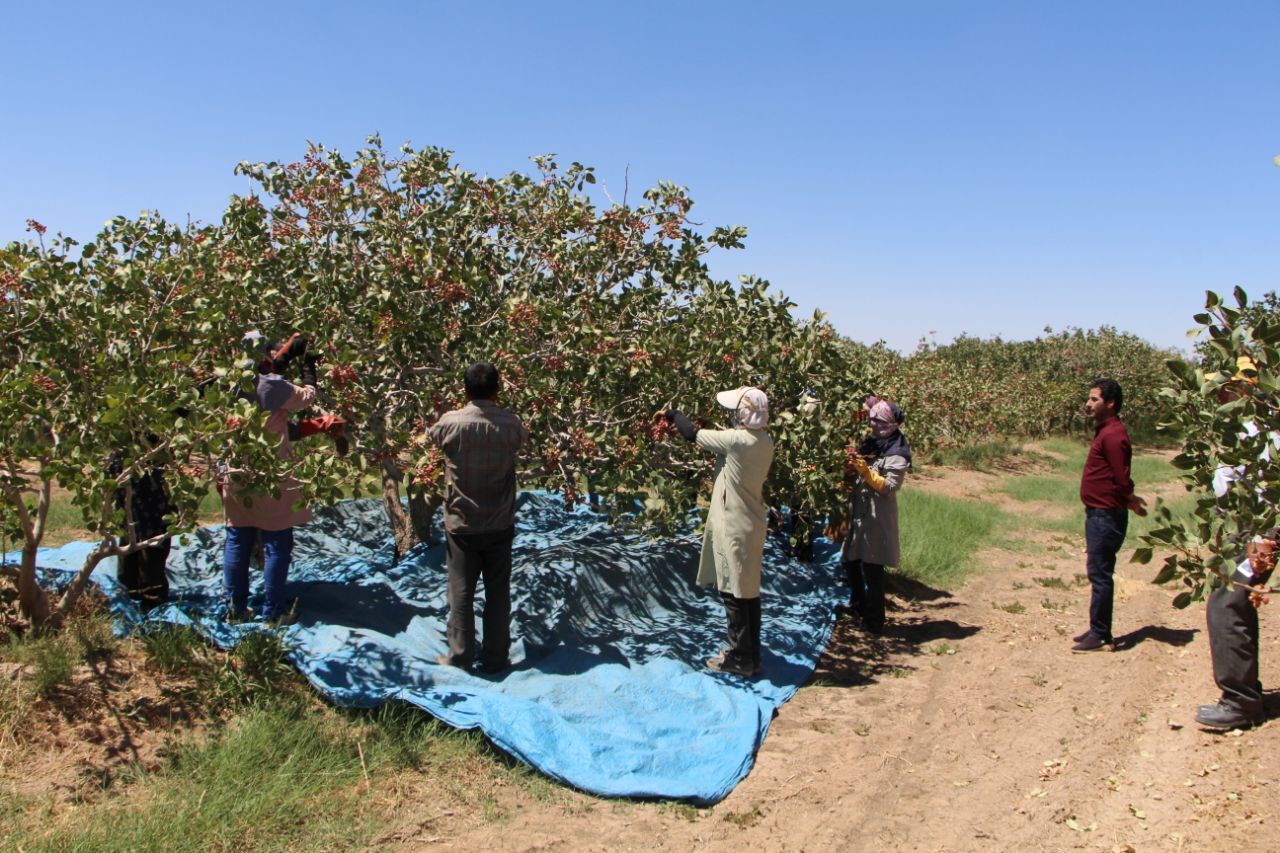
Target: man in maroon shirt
<point>1106,490</point>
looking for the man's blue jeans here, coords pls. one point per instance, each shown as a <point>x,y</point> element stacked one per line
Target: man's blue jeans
<point>1104,531</point>
<point>277,551</point>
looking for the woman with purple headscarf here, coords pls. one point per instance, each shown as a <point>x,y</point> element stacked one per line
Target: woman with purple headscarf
<point>879,466</point>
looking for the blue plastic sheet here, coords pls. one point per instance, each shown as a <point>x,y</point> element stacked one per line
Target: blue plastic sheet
<point>608,692</point>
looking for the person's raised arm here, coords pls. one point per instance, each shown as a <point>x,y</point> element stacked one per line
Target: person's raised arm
<point>681,422</point>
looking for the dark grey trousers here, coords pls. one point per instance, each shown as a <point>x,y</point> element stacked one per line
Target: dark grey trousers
<point>866,593</point>
<point>1233,646</point>
<point>142,574</point>
<point>472,556</point>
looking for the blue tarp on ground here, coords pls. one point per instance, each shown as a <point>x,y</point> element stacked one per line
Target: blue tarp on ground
<point>608,692</point>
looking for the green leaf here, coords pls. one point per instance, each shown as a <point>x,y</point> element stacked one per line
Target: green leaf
<point>1167,573</point>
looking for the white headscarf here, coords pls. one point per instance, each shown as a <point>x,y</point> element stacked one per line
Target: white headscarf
<point>749,405</point>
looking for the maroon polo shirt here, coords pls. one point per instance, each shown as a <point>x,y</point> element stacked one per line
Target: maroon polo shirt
<point>1105,482</point>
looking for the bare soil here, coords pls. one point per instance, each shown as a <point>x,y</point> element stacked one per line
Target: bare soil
<point>114,717</point>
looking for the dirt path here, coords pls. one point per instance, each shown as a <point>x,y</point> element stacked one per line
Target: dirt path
<point>968,726</point>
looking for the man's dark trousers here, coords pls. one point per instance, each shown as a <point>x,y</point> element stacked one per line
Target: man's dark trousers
<point>142,574</point>
<point>1104,531</point>
<point>1233,647</point>
<point>472,556</point>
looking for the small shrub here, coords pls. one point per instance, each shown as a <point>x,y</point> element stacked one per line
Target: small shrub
<point>744,819</point>
<point>262,657</point>
<point>53,660</point>
<point>174,649</point>
<point>93,635</point>
<point>1014,607</point>
<point>681,810</point>
<point>1053,583</point>
<point>15,710</point>
<point>256,670</point>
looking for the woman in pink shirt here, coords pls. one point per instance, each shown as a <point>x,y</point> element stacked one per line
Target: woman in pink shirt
<point>262,514</point>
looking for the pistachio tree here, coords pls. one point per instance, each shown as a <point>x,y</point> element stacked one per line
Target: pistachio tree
<point>405,268</point>
<point>401,269</point>
<point>107,349</point>
<point>1225,409</point>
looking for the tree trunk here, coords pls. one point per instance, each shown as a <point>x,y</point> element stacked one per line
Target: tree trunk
<point>33,602</point>
<point>81,580</point>
<point>402,526</point>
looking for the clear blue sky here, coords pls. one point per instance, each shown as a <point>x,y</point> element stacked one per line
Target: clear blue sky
<point>979,167</point>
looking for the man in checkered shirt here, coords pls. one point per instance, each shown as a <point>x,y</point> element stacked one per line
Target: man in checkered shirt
<point>480,442</point>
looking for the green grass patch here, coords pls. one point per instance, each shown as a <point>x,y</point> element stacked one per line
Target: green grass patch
<point>285,776</point>
<point>1049,488</point>
<point>1150,470</point>
<point>980,456</point>
<point>1183,507</point>
<point>274,779</point>
<point>1055,582</point>
<point>1062,487</point>
<point>1012,607</point>
<point>941,535</point>
<point>52,660</point>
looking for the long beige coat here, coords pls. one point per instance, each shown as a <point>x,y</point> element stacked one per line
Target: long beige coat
<point>873,517</point>
<point>733,542</point>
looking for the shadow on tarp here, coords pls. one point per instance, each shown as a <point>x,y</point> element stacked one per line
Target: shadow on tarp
<point>608,691</point>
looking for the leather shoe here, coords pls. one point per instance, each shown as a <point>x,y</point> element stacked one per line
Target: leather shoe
<point>1225,717</point>
<point>493,667</point>
<point>1092,644</point>
<point>1082,636</point>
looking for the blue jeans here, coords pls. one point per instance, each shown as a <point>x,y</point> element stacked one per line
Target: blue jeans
<point>1104,531</point>
<point>277,551</point>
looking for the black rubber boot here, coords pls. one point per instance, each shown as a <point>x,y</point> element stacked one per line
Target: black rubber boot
<point>738,658</point>
<point>753,605</point>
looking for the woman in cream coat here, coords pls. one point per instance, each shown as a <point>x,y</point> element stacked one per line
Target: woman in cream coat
<point>733,541</point>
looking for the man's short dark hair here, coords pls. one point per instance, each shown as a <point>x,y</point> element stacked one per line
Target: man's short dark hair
<point>1109,391</point>
<point>481,381</point>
